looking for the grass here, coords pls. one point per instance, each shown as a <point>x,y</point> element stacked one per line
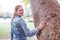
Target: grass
<point>5,29</point>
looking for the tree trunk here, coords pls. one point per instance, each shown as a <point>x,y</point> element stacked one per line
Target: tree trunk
<point>48,10</point>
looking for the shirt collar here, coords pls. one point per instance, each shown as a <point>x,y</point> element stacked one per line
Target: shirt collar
<point>18,15</point>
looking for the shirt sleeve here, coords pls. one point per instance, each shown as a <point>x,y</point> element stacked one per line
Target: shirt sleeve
<point>26,30</point>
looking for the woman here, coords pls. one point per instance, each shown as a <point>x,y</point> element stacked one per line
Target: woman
<point>19,30</point>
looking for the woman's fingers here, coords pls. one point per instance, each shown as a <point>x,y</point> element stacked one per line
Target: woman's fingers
<point>43,24</point>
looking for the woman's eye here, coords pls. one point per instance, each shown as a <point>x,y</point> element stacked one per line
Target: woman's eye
<point>21,10</point>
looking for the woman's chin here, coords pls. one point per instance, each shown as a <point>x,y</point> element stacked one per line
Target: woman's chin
<point>21,15</point>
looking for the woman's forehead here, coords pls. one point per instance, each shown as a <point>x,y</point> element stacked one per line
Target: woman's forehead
<point>20,8</point>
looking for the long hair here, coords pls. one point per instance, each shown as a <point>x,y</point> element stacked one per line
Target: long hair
<point>16,8</point>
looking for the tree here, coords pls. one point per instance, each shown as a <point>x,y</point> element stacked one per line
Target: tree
<point>48,10</point>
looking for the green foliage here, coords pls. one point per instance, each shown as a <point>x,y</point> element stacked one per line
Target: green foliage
<point>26,1</point>
<point>5,15</point>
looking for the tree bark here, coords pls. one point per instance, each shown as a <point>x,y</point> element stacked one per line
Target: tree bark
<point>48,10</point>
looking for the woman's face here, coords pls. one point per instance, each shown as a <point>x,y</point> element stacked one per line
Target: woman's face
<point>20,11</point>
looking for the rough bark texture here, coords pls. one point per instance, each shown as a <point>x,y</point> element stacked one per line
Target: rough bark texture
<point>47,10</point>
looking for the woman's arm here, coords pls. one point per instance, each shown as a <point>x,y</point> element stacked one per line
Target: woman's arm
<point>26,29</point>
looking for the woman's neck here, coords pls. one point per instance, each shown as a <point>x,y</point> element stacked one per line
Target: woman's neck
<point>18,15</point>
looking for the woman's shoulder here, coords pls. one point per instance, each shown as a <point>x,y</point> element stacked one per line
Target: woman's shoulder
<point>16,19</point>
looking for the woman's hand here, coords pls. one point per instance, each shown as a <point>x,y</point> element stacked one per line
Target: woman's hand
<point>42,25</point>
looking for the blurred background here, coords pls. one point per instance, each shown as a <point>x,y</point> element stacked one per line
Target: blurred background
<point>6,13</point>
